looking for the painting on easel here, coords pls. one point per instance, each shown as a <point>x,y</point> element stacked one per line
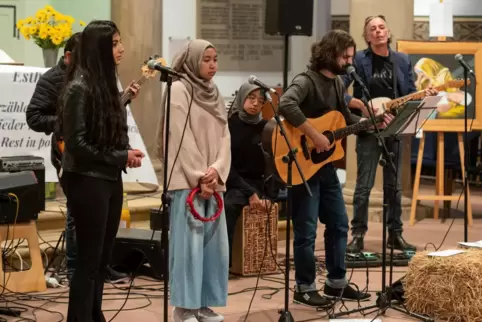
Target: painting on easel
<point>434,64</point>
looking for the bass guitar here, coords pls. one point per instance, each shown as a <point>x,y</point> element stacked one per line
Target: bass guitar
<point>127,94</point>
<point>333,126</point>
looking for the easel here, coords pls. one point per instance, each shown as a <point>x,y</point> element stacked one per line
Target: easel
<point>439,178</point>
<point>439,175</point>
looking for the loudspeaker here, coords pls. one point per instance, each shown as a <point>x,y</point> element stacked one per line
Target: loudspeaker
<point>138,251</point>
<point>289,17</point>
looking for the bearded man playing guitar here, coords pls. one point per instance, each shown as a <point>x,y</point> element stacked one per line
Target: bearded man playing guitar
<point>41,116</point>
<point>387,74</point>
<point>317,92</point>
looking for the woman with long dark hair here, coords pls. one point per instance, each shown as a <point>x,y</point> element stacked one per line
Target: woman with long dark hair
<point>93,123</point>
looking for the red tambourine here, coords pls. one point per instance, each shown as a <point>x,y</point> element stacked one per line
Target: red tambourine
<point>190,204</point>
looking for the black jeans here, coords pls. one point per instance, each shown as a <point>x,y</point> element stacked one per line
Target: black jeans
<point>96,206</point>
<point>368,154</point>
<point>232,211</point>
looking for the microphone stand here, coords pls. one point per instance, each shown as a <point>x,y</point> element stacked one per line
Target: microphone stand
<point>384,300</point>
<point>285,314</point>
<point>166,199</point>
<point>466,159</point>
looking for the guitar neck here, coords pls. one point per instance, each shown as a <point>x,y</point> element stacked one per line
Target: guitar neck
<point>127,95</point>
<point>414,96</point>
<point>355,128</point>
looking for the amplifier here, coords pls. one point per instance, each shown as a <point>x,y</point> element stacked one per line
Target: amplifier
<point>24,185</point>
<point>138,251</point>
<point>28,163</point>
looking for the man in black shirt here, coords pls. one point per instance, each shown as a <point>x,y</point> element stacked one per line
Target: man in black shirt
<point>389,74</point>
<point>312,94</point>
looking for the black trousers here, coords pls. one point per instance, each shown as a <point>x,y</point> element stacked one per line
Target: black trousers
<point>96,206</point>
<point>232,211</point>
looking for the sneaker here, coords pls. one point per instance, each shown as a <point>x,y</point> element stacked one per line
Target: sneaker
<point>205,314</point>
<point>312,299</point>
<point>348,293</point>
<point>115,277</point>
<point>183,315</point>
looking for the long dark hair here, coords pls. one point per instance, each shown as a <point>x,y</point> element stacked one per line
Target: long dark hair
<point>93,59</point>
<point>325,52</point>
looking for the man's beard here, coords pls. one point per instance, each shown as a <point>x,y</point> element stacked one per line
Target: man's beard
<point>336,69</point>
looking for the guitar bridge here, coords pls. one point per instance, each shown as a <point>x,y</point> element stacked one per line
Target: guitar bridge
<point>304,147</point>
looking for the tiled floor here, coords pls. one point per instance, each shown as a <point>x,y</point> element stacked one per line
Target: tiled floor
<point>147,305</point>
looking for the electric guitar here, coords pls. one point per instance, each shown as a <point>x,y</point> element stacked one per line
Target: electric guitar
<point>127,94</point>
<point>333,126</point>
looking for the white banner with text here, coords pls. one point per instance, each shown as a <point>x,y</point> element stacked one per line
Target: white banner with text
<point>17,84</point>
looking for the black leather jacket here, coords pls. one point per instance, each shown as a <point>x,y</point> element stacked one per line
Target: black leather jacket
<point>80,156</point>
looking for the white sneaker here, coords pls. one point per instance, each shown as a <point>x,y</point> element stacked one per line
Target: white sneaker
<point>184,315</point>
<point>205,314</point>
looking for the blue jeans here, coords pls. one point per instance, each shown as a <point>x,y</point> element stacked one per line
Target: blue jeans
<point>70,244</point>
<point>368,154</point>
<point>327,206</point>
<point>198,254</point>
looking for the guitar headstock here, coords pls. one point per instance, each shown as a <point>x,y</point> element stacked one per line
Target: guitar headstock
<point>150,73</point>
<point>457,83</point>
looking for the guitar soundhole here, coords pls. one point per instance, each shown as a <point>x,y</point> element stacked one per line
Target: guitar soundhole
<point>322,156</point>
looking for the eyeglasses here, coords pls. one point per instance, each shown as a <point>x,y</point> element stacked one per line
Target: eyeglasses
<point>254,98</point>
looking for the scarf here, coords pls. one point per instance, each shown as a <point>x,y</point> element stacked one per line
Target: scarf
<point>238,104</point>
<point>205,94</point>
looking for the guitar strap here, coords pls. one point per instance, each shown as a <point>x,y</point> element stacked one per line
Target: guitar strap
<point>394,76</point>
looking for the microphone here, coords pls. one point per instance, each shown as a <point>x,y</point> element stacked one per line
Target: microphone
<point>462,62</point>
<point>255,81</point>
<point>153,64</point>
<point>351,71</point>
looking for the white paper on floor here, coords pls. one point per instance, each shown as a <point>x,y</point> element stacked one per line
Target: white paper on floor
<point>356,320</point>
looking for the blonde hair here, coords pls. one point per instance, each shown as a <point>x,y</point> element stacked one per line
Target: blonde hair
<point>438,73</point>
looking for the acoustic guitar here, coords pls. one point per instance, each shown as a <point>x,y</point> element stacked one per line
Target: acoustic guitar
<point>127,94</point>
<point>333,126</point>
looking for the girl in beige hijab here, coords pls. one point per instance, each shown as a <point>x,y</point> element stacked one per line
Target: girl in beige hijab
<point>199,156</point>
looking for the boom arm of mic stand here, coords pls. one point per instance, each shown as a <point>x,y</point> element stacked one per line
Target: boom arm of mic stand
<point>291,153</point>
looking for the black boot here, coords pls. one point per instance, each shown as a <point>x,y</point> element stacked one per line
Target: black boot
<point>399,242</point>
<point>356,245</point>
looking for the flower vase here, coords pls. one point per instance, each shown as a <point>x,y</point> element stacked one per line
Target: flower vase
<point>50,57</point>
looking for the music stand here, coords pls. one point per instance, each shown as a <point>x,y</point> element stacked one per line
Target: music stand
<point>409,115</point>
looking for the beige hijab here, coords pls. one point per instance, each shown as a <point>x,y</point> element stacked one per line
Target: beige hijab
<point>205,94</point>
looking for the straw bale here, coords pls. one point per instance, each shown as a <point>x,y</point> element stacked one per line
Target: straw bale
<point>448,288</point>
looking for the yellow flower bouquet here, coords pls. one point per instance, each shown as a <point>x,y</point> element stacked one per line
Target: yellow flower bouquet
<point>48,28</point>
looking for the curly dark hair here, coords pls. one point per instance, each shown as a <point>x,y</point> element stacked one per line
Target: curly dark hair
<point>325,52</point>
<point>106,118</point>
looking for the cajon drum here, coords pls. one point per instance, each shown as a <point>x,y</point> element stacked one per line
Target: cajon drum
<point>255,238</point>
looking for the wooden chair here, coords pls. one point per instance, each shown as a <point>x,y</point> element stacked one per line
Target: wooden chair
<point>33,279</point>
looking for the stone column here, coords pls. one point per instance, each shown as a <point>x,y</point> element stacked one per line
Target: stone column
<point>140,24</point>
<point>399,15</point>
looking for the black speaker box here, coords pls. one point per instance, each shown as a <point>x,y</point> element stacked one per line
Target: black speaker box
<point>139,252</point>
<point>22,184</point>
<point>289,17</point>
